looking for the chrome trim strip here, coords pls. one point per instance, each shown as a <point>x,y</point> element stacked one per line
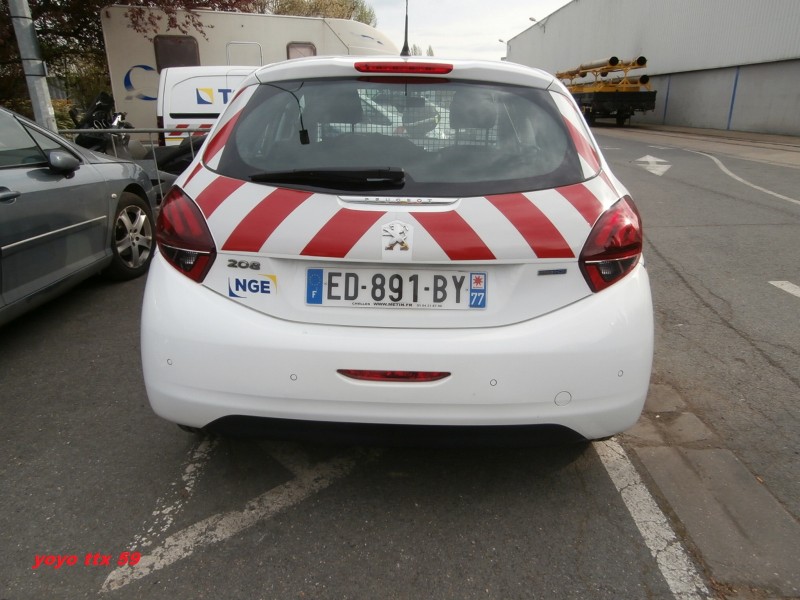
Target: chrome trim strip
<point>57,232</point>
<point>399,200</point>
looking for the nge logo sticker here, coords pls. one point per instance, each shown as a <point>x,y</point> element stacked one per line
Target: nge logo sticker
<point>243,287</point>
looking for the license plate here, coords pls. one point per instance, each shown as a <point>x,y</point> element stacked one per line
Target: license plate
<point>399,288</point>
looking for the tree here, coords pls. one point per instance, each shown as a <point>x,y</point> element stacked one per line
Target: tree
<point>358,10</point>
<point>416,50</point>
<point>72,44</point>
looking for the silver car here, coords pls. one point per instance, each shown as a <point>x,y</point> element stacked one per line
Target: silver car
<point>65,215</point>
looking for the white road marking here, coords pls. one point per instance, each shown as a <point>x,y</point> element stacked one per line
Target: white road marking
<point>673,562</point>
<point>733,175</point>
<point>787,286</point>
<point>657,166</point>
<point>217,528</point>
<point>169,505</point>
<point>680,574</point>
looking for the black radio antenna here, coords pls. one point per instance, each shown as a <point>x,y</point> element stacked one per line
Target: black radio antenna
<point>405,51</point>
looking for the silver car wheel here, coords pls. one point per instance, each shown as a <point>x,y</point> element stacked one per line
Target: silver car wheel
<point>133,234</point>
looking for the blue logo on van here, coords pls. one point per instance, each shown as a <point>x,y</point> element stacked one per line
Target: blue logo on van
<point>206,95</point>
<point>127,81</point>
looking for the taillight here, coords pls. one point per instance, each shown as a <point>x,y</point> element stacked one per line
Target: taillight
<point>403,68</point>
<point>614,246</point>
<point>394,376</point>
<point>183,236</point>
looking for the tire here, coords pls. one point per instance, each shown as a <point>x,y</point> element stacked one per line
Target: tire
<point>132,239</point>
<point>192,430</point>
<point>621,118</point>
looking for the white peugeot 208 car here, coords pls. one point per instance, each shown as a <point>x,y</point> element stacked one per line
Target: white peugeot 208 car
<point>312,268</point>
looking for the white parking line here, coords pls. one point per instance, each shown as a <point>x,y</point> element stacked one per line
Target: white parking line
<point>169,505</point>
<point>682,578</point>
<point>787,286</point>
<point>733,175</point>
<point>677,569</point>
<point>308,480</point>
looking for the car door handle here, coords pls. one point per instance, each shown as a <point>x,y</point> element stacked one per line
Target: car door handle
<point>8,196</point>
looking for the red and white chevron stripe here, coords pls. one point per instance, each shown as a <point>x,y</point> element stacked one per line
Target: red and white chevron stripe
<point>219,136</point>
<point>590,159</point>
<point>547,224</point>
<point>179,129</point>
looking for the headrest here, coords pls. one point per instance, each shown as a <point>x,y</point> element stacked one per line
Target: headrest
<point>335,106</point>
<point>473,109</point>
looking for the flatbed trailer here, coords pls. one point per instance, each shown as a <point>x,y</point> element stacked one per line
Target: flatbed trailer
<point>616,105</point>
<point>606,97</point>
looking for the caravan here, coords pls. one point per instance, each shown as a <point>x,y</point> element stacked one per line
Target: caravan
<point>135,60</point>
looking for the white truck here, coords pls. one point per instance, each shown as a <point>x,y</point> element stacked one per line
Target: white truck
<point>242,39</point>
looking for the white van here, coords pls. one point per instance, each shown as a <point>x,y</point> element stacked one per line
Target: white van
<point>193,97</point>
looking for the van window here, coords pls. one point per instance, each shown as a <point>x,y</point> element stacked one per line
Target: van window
<point>300,49</point>
<point>176,51</point>
<point>244,53</point>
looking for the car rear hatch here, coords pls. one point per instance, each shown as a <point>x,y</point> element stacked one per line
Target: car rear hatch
<point>307,206</point>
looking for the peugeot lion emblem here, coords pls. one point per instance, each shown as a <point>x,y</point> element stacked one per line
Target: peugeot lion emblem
<point>396,237</point>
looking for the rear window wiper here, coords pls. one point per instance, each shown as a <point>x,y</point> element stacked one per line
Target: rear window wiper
<point>337,177</point>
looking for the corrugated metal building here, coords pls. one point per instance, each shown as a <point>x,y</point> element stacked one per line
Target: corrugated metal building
<point>722,64</point>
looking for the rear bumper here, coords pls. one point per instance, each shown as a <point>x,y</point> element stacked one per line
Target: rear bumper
<point>585,367</point>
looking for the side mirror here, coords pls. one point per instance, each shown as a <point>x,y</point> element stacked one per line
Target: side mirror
<point>62,162</point>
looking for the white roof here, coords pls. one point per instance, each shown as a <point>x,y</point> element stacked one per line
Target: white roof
<point>343,66</point>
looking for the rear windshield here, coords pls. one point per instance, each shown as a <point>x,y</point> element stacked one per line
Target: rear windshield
<point>444,138</point>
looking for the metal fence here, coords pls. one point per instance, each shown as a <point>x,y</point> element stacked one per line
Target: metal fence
<point>151,135</point>
<point>127,144</point>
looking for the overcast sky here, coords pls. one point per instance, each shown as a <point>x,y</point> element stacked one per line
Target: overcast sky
<point>461,28</point>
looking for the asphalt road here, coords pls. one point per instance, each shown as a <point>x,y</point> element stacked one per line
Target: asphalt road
<point>729,340</point>
<point>720,436</point>
<point>701,499</point>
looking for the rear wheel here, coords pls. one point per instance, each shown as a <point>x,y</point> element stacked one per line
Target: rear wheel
<point>132,240</point>
<point>193,430</point>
